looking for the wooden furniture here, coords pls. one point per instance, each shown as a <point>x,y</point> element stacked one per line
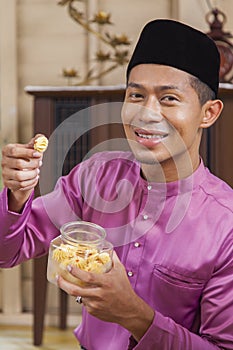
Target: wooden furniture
<point>53,106</point>
<point>220,142</point>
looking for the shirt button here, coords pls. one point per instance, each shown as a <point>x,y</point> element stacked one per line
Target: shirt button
<point>145,217</point>
<point>149,187</point>
<point>137,244</point>
<point>130,273</point>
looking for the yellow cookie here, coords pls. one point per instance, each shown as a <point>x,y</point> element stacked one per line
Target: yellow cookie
<point>41,144</point>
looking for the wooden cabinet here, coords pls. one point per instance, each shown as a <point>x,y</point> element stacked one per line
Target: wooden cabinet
<point>96,110</point>
<point>220,141</point>
<point>52,105</point>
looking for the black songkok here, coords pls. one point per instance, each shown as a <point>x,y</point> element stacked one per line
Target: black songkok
<point>178,45</point>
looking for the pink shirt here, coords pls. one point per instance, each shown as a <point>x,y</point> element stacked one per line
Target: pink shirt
<point>175,241</point>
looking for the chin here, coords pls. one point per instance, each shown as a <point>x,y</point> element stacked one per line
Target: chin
<point>146,157</point>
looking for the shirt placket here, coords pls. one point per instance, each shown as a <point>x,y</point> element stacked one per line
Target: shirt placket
<point>141,225</point>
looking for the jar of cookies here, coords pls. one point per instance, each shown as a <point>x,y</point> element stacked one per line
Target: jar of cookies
<point>81,244</point>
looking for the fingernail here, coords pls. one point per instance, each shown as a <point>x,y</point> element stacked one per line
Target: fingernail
<point>69,268</point>
<point>40,163</point>
<point>36,154</point>
<point>57,277</point>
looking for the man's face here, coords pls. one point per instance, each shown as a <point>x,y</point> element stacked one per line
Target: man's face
<point>161,115</point>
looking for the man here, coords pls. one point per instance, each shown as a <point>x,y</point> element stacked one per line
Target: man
<point>171,284</point>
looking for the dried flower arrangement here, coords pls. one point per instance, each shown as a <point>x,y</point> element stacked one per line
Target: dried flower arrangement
<point>116,55</point>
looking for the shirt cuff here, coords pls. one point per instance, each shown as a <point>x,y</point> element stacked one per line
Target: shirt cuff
<point>156,334</point>
<point>10,220</point>
<point>5,204</point>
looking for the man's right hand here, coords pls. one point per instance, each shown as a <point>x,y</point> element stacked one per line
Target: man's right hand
<point>20,172</point>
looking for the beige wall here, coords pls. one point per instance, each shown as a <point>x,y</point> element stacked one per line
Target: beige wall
<point>49,40</point>
<point>38,39</point>
<point>8,72</point>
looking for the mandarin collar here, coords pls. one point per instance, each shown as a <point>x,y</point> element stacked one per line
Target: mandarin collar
<point>185,185</point>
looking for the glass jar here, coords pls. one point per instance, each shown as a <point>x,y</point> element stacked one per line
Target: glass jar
<point>81,244</point>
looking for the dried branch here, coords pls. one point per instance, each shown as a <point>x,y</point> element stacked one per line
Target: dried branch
<point>102,18</point>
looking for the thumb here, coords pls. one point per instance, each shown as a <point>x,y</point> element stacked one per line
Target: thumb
<point>32,141</point>
<point>116,261</point>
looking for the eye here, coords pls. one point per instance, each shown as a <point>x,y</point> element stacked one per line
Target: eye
<point>169,99</point>
<point>135,96</point>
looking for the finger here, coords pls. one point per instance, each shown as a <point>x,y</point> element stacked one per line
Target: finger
<point>23,186</point>
<point>67,286</point>
<point>20,151</point>
<point>71,288</point>
<point>29,185</point>
<point>115,258</point>
<point>32,141</point>
<point>75,290</point>
<point>23,175</point>
<point>21,164</point>
<point>21,180</point>
<point>117,266</point>
<point>88,278</point>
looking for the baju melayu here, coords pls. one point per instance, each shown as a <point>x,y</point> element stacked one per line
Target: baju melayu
<point>175,240</point>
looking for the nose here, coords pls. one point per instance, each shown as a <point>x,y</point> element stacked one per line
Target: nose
<point>150,111</point>
<point>141,113</point>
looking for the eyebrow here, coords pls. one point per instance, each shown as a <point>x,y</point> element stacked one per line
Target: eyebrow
<point>134,85</point>
<point>160,88</point>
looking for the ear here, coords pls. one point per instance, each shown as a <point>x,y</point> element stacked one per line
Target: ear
<point>211,111</point>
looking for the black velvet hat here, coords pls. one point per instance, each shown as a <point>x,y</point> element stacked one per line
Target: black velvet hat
<point>178,45</point>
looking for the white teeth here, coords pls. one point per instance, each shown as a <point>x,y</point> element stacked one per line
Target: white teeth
<point>150,136</point>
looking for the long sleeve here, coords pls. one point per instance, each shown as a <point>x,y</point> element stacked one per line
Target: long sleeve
<point>165,334</point>
<point>12,225</point>
<point>215,330</point>
<point>28,235</point>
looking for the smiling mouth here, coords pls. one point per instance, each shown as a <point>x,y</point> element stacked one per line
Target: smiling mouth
<point>150,136</point>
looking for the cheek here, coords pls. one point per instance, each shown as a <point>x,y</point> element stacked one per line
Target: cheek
<point>185,123</point>
<point>128,132</point>
<point>125,113</point>
<point>180,132</point>
<point>127,116</point>
<point>129,112</point>
<point>185,134</point>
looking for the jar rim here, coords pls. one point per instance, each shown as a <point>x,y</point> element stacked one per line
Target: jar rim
<point>100,229</point>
